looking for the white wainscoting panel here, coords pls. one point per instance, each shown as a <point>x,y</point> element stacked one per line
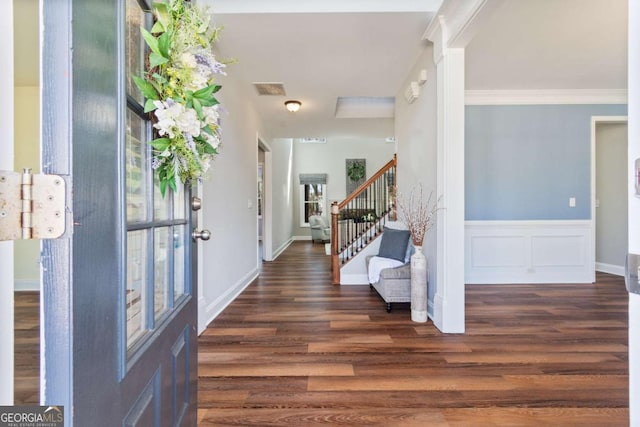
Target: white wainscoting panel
<point>528,251</point>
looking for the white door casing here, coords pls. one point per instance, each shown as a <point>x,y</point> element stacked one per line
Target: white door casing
<point>634,206</point>
<point>6,163</point>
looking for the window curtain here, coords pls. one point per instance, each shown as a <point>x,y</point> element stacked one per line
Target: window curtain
<point>313,178</point>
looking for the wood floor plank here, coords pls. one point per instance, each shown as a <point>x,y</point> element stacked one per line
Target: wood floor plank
<point>499,417</point>
<point>311,417</point>
<point>27,348</point>
<point>411,383</point>
<point>240,331</point>
<point>530,357</point>
<point>276,370</point>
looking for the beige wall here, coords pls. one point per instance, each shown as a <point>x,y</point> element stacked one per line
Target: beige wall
<point>27,155</point>
<point>27,125</point>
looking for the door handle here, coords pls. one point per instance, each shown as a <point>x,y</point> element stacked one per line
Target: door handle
<point>202,235</point>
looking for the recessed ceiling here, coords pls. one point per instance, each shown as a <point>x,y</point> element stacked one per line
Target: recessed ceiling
<point>319,57</point>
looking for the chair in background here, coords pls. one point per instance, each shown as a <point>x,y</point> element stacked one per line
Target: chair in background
<point>320,229</point>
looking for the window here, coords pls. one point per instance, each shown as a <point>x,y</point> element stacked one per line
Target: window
<point>312,196</point>
<point>313,201</point>
<point>157,235</point>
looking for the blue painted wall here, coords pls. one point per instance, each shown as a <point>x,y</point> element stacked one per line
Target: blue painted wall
<point>524,162</point>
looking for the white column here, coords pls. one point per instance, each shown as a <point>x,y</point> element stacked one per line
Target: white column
<point>6,163</point>
<point>449,297</point>
<point>455,25</point>
<point>634,207</point>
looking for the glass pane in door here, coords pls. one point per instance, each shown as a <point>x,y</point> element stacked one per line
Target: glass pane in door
<point>135,49</point>
<point>161,205</point>
<point>179,203</point>
<point>136,295</point>
<point>136,168</point>
<point>179,261</point>
<point>161,269</point>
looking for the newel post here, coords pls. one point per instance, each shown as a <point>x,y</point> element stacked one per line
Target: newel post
<point>335,262</point>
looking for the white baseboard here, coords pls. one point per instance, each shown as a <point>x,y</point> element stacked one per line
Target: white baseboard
<point>208,313</point>
<point>437,305</point>
<point>281,249</point>
<point>26,285</point>
<point>303,238</point>
<point>354,279</point>
<point>618,270</point>
<point>528,252</point>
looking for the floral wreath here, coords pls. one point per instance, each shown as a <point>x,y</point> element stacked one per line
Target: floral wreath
<point>356,171</point>
<point>179,89</point>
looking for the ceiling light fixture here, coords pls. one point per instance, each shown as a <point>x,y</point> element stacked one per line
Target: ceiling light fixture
<point>293,105</point>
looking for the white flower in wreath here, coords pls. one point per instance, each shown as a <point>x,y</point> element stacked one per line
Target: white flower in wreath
<point>187,122</point>
<point>213,140</point>
<point>166,113</point>
<point>175,118</point>
<point>198,80</point>
<point>206,163</point>
<point>211,115</point>
<point>188,60</point>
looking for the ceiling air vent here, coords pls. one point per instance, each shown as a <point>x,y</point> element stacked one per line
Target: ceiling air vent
<point>313,140</point>
<point>270,89</point>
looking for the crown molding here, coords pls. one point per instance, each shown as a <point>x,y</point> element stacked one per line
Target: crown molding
<point>546,96</point>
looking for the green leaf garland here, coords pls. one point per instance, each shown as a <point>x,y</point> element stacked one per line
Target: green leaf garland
<point>179,87</point>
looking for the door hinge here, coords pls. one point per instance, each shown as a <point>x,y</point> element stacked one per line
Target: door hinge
<point>32,206</point>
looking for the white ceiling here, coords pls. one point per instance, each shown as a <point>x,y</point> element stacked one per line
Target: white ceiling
<point>551,44</point>
<point>333,48</point>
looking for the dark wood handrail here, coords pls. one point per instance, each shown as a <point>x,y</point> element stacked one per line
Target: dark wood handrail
<point>367,183</point>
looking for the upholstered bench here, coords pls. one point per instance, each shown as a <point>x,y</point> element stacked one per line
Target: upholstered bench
<point>390,271</point>
<point>394,284</point>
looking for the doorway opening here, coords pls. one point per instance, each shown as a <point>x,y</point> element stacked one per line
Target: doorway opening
<point>264,197</point>
<point>609,199</point>
<point>260,202</point>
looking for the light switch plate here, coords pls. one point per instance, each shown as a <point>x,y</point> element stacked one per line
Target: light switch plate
<point>572,202</point>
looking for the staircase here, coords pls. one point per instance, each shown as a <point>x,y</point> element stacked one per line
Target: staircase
<point>360,218</point>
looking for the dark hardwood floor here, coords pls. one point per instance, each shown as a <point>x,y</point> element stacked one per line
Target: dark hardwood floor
<point>27,348</point>
<point>293,350</point>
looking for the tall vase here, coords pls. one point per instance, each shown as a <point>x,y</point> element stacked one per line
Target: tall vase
<point>418,286</point>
